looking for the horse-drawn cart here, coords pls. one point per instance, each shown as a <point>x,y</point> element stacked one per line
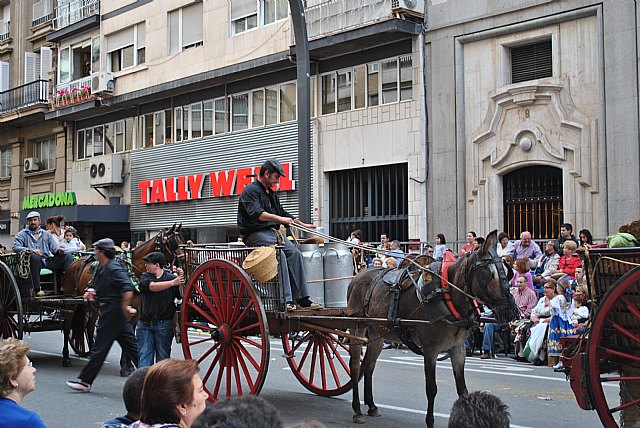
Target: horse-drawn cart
<point>21,312</point>
<point>608,352</point>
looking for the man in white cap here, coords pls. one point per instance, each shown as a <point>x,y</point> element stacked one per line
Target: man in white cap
<point>260,215</point>
<point>45,251</point>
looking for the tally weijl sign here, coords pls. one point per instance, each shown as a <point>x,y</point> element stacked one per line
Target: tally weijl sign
<point>191,187</point>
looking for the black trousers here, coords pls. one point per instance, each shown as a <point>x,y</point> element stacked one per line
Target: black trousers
<point>112,326</point>
<point>58,264</point>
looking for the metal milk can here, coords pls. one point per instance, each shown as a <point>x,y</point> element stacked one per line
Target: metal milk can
<point>313,267</point>
<point>338,263</point>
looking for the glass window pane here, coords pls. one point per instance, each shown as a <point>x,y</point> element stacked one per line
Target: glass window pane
<point>158,128</point>
<point>221,116</point>
<point>359,87</point>
<point>372,84</point>
<point>80,145</point>
<point>329,93</point>
<point>98,141</point>
<point>271,110</point>
<point>257,108</point>
<point>207,116</point>
<point>168,130</point>
<point>269,11</point>
<point>174,31</point>
<point>186,135</point>
<point>196,120</point>
<point>148,130</point>
<point>240,112</point>
<point>178,121</point>
<point>128,133</point>
<point>119,136</point>
<point>127,57</point>
<point>88,142</point>
<point>109,138</point>
<point>65,65</point>
<point>406,78</point>
<point>282,9</point>
<point>252,22</point>
<point>95,54</point>
<point>287,102</point>
<point>389,81</point>
<point>344,90</point>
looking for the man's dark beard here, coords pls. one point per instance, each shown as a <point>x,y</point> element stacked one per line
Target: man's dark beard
<point>33,226</point>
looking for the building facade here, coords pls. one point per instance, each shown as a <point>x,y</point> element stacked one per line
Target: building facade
<point>428,117</point>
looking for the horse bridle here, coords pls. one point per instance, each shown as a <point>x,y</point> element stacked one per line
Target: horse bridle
<point>163,242</point>
<point>495,260</point>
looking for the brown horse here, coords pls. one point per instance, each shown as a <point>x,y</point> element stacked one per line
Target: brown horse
<point>80,321</point>
<point>480,274</point>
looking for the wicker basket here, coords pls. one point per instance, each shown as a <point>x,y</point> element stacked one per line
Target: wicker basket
<point>262,264</point>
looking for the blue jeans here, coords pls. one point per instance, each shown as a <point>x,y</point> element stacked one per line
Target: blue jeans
<point>154,340</point>
<point>487,338</point>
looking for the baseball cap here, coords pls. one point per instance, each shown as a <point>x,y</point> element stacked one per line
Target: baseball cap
<point>105,244</point>
<point>156,257</point>
<point>33,214</point>
<point>274,165</point>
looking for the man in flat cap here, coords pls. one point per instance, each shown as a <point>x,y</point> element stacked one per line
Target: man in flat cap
<point>113,294</point>
<point>260,215</point>
<point>45,251</point>
<point>159,289</point>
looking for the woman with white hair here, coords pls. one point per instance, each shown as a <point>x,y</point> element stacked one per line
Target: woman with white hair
<point>17,379</point>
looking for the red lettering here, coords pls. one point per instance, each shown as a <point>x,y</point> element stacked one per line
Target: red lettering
<point>286,182</point>
<point>170,188</point>
<point>157,192</point>
<point>243,177</point>
<point>183,195</point>
<point>144,191</point>
<point>222,183</point>
<point>196,182</point>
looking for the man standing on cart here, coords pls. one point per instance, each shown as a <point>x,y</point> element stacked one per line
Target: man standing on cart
<point>260,215</point>
<point>45,251</point>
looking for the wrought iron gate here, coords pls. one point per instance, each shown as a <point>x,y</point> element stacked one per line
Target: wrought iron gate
<point>373,200</point>
<point>533,202</point>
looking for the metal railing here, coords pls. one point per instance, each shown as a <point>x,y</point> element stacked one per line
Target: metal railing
<point>331,16</point>
<point>74,11</point>
<point>42,12</point>
<point>73,86</point>
<point>5,30</point>
<point>32,93</point>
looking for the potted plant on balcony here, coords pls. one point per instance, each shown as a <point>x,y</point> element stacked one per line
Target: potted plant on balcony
<point>86,91</point>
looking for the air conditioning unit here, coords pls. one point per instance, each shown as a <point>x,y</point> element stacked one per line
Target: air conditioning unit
<point>102,83</point>
<point>106,170</point>
<point>31,164</point>
<point>410,7</point>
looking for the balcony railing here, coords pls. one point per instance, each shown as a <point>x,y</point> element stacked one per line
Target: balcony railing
<point>5,30</point>
<point>32,93</point>
<point>331,16</point>
<point>74,92</point>
<point>42,12</point>
<point>74,11</point>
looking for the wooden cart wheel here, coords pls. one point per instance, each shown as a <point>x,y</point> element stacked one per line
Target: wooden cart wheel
<point>11,314</point>
<point>614,343</point>
<point>319,360</point>
<point>83,327</point>
<point>224,327</point>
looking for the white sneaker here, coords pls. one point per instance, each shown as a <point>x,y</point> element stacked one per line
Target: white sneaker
<point>78,385</point>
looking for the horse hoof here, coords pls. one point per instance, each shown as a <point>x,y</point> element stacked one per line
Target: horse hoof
<point>374,412</point>
<point>358,419</point>
<point>66,363</point>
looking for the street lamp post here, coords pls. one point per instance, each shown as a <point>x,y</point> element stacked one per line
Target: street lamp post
<point>303,107</point>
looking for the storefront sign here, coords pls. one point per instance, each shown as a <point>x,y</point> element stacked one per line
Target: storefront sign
<point>190,187</point>
<point>49,200</point>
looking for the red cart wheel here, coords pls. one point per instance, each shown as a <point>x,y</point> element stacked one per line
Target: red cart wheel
<point>11,314</point>
<point>614,342</point>
<point>320,361</point>
<point>224,328</point>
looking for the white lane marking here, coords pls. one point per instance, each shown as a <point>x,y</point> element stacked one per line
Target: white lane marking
<point>53,354</point>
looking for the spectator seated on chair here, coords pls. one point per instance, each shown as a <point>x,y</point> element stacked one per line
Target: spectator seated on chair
<point>547,264</point>
<point>44,250</point>
<point>526,300</point>
<point>569,261</point>
<point>531,337</point>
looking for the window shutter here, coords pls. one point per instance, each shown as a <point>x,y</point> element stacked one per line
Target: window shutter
<point>46,62</point>
<point>120,40</point>
<point>31,66</point>
<point>531,62</point>
<point>140,28</point>
<point>4,76</point>
<point>192,24</point>
<point>174,31</point>
<point>240,8</point>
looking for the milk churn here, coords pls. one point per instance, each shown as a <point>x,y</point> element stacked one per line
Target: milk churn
<point>312,255</point>
<point>338,263</point>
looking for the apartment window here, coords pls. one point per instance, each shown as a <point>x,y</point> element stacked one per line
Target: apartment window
<point>329,93</point>
<point>220,116</point>
<point>373,80</point>
<point>126,48</point>
<point>244,15</point>
<point>45,151</point>
<point>287,102</point>
<point>271,107</point>
<point>112,137</point>
<point>359,87</point>
<point>532,61</point>
<point>95,54</point>
<point>5,162</point>
<point>178,117</point>
<point>389,79</point>
<point>406,78</point>
<point>274,10</point>
<point>185,28</point>
<point>344,90</point>
<point>196,120</point>
<point>257,108</point>
<point>207,118</point>
<point>239,112</point>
